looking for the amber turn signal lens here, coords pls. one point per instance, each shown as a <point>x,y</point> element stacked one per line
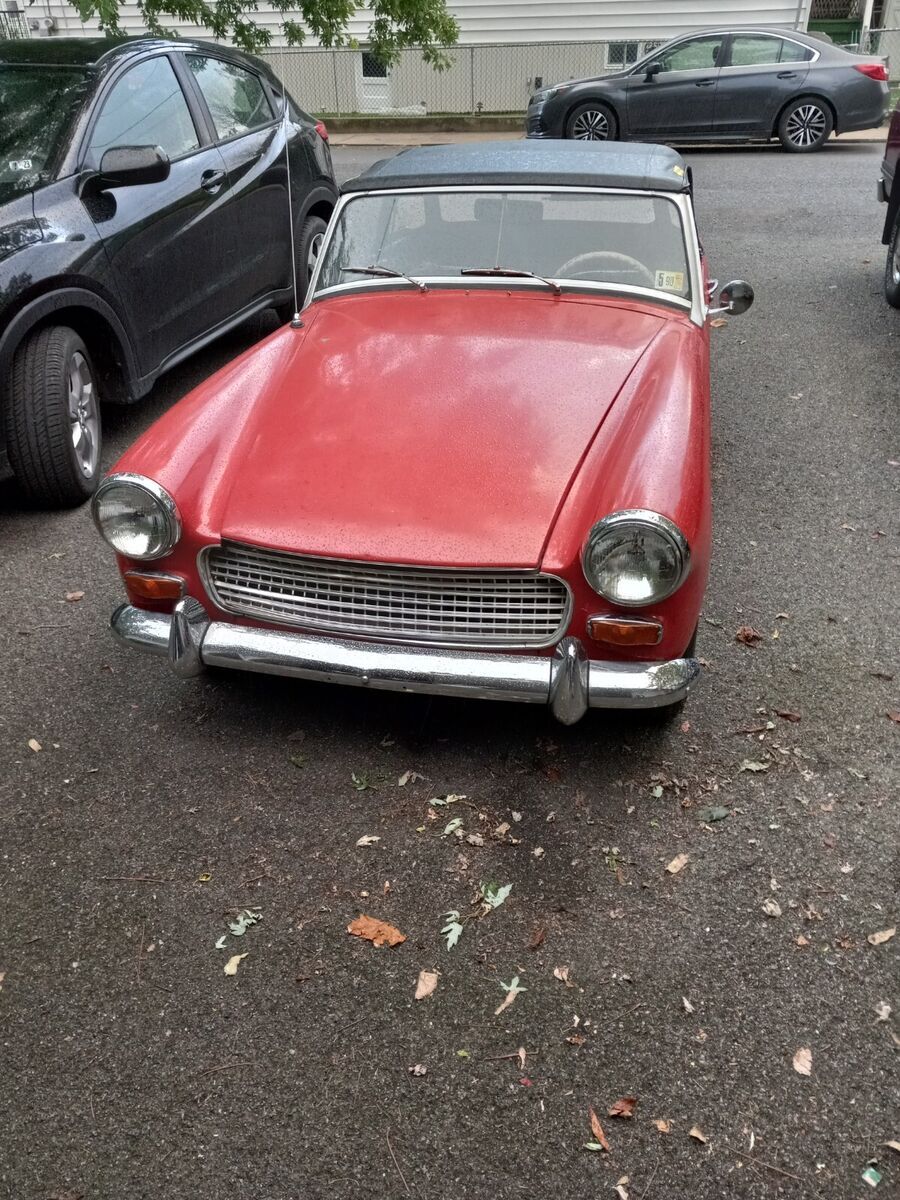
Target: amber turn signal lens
<point>624,631</point>
<point>144,585</point>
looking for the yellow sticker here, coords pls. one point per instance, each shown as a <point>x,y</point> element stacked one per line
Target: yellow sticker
<point>670,281</point>
<point>678,170</point>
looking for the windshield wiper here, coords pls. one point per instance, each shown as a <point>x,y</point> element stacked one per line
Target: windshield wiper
<point>512,273</point>
<point>385,273</point>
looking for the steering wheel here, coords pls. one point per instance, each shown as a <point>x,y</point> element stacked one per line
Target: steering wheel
<point>576,267</point>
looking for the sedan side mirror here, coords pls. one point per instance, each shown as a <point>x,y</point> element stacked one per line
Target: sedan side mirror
<point>735,298</point>
<point>652,69</point>
<point>127,166</point>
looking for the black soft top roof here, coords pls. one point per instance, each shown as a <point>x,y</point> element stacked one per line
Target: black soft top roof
<point>554,163</point>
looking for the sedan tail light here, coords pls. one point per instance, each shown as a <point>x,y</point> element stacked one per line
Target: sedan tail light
<point>873,70</point>
<point>322,131</point>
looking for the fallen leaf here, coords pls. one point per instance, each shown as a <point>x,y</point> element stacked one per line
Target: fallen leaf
<point>716,813</point>
<point>562,973</point>
<point>493,895</point>
<point>222,942</point>
<point>502,829</point>
<point>619,1188</point>
<point>522,1054</point>
<point>894,715</point>
<point>512,990</point>
<point>34,744</point>
<point>368,839</point>
<point>452,826</point>
<point>749,765</point>
<point>474,839</point>
<point>418,1069</point>
<point>688,1007</point>
<point>788,716</point>
<point>803,1061</point>
<point>376,931</point>
<point>526,1082</point>
<point>233,963</point>
<point>538,852</point>
<point>576,1039</point>
<point>801,940</point>
<point>771,907</point>
<point>463,1054</point>
<point>662,1125</point>
<point>678,863</point>
<point>882,1008</point>
<point>74,597</point>
<point>597,1131</point>
<point>696,1133</point>
<point>748,636</point>
<point>883,935</point>
<point>622,1108</point>
<point>204,877</point>
<point>2,977</point>
<point>361,781</point>
<point>426,983</point>
<point>453,929</point>
<point>245,918</point>
<point>892,1145</point>
<point>537,938</point>
<point>408,777</point>
<point>718,322</point>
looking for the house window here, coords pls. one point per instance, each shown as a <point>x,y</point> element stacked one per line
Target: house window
<point>372,67</point>
<point>621,54</point>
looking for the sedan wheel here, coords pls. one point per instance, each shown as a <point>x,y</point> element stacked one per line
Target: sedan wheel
<point>805,126</point>
<point>591,122</point>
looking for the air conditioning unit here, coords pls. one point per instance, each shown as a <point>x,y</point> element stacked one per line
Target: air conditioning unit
<point>42,26</point>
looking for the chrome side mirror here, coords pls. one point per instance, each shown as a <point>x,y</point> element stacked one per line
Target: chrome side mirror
<point>735,298</point>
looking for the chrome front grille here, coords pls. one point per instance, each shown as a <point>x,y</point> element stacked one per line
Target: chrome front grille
<point>397,603</point>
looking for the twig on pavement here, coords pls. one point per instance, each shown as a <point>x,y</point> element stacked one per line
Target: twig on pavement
<point>140,953</point>
<point>134,879</point>
<point>396,1164</point>
<point>769,1167</point>
<point>650,1180</point>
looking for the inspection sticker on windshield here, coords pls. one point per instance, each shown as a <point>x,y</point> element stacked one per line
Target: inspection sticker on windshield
<point>670,281</point>
<point>20,164</point>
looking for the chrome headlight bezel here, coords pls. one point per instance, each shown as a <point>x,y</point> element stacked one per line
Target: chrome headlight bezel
<point>166,510</point>
<point>639,519</point>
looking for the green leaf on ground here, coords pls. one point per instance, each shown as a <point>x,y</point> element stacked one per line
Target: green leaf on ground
<point>493,895</point>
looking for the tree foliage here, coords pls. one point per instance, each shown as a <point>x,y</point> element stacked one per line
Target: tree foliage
<point>394,26</point>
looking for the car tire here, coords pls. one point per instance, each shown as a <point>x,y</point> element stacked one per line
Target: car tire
<point>805,125</point>
<point>892,266</point>
<point>592,122</point>
<point>52,419</point>
<point>307,244</point>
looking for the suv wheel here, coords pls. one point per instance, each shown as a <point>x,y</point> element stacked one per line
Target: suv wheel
<point>892,266</point>
<point>53,429</point>
<point>805,125</point>
<point>592,122</point>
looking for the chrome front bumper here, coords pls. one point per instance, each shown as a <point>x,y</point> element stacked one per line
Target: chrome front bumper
<point>568,681</point>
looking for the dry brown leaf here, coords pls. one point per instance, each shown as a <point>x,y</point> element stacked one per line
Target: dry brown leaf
<point>368,839</point>
<point>562,973</point>
<point>718,322</point>
<point>426,983</point>
<point>597,1131</point>
<point>697,1133</point>
<point>576,1039</point>
<point>74,597</point>
<point>419,1069</point>
<point>678,863</point>
<point>233,963</point>
<point>748,636</point>
<point>883,935</point>
<point>662,1125</point>
<point>894,715</point>
<point>2,977</point>
<point>522,1053</point>
<point>376,931</point>
<point>788,716</point>
<point>507,1000</point>
<point>803,1061</point>
<point>688,1007</point>
<point>892,1145</point>
<point>537,938</point>
<point>623,1107</point>
<point>34,744</point>
<point>801,940</point>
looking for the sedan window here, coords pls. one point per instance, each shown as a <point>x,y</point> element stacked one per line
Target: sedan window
<point>622,239</point>
<point>146,108</point>
<point>748,50</point>
<point>236,99</point>
<point>699,54</point>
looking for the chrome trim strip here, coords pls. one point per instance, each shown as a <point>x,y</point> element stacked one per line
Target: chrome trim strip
<point>568,682</point>
<point>407,637</point>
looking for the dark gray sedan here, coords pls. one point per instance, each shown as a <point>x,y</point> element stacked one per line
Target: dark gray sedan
<point>722,85</point>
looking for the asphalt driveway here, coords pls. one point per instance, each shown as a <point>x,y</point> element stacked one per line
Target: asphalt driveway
<point>139,816</point>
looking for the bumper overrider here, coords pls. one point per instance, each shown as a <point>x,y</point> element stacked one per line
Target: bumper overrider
<point>568,681</point>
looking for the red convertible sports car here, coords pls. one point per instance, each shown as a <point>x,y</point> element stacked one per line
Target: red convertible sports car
<point>477,465</point>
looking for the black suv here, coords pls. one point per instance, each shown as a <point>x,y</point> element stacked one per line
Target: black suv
<point>143,212</point>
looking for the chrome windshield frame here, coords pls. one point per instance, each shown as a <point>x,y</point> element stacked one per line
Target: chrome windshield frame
<point>696,306</point>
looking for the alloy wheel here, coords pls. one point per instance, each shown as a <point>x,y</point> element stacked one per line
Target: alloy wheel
<point>84,414</point>
<point>806,126</point>
<point>591,126</point>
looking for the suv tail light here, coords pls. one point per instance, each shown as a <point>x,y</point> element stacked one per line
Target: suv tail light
<point>322,131</point>
<point>873,70</point>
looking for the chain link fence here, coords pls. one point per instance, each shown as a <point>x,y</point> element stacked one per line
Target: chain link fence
<point>480,79</point>
<point>886,43</point>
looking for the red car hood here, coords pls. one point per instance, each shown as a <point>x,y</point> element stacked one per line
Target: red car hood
<point>440,428</point>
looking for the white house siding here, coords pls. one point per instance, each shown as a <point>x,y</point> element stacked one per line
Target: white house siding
<point>506,48</point>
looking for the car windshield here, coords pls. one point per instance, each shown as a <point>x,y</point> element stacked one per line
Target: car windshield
<point>37,107</point>
<point>613,238</point>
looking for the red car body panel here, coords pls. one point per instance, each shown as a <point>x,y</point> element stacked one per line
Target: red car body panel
<point>489,427</point>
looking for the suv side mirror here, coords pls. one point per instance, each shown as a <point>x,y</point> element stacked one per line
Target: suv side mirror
<point>735,298</point>
<point>652,69</point>
<point>127,166</point>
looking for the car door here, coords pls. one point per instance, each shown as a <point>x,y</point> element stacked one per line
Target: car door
<point>250,137</point>
<point>680,98</point>
<point>760,73</point>
<point>166,242</point>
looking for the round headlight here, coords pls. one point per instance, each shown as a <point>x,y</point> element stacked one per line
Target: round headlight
<point>635,557</point>
<point>136,516</point>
